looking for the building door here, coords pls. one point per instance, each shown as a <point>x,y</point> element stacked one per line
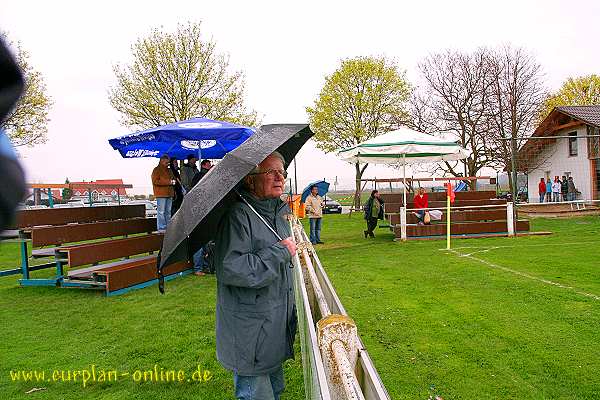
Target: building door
<point>596,179</point>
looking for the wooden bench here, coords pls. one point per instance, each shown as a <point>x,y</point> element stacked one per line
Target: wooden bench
<point>395,207</point>
<point>487,217</point>
<point>459,228</point>
<point>457,216</point>
<point>117,253</point>
<point>441,196</point>
<point>63,216</point>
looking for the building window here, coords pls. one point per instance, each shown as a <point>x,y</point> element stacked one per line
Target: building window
<point>572,144</point>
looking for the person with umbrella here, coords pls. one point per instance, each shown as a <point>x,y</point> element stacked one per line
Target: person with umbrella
<point>256,314</point>
<point>162,186</point>
<point>314,208</point>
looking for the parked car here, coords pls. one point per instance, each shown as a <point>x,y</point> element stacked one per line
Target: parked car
<point>331,206</point>
<point>150,207</point>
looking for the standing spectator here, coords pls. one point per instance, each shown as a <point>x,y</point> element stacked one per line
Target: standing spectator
<point>556,190</point>
<point>179,191</point>
<point>542,189</point>
<point>421,201</point>
<point>162,186</point>
<point>205,166</point>
<point>256,313</point>
<point>564,188</point>
<point>571,190</point>
<point>200,256</point>
<point>188,170</point>
<point>314,208</point>
<point>549,190</point>
<point>373,212</point>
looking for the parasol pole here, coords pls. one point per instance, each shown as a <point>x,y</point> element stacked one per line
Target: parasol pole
<point>404,176</point>
<point>448,216</point>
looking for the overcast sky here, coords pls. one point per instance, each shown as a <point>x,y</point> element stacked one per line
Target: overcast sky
<point>285,50</point>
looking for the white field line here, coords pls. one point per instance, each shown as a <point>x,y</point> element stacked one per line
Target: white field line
<point>524,275</point>
<point>523,246</point>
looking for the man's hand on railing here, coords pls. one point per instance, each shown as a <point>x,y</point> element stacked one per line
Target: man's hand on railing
<point>290,244</point>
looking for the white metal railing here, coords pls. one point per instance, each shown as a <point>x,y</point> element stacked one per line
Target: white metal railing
<point>348,370</point>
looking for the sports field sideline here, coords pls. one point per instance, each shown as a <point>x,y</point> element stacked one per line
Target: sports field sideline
<point>494,318</point>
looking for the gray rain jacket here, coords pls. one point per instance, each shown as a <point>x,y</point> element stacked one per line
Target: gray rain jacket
<point>256,311</point>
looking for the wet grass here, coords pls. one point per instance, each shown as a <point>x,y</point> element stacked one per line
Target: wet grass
<point>47,329</point>
<point>496,318</point>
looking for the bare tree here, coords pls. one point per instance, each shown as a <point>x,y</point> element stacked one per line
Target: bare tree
<point>455,102</point>
<point>517,95</point>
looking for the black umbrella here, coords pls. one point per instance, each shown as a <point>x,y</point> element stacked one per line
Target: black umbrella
<point>196,222</point>
<point>11,82</point>
<point>13,187</point>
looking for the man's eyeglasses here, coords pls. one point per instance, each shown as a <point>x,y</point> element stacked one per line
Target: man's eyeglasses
<point>271,173</point>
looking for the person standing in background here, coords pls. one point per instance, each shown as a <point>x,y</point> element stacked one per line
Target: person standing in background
<point>200,258</point>
<point>542,189</point>
<point>373,212</point>
<point>178,187</point>
<point>314,209</point>
<point>205,166</point>
<point>564,188</point>
<point>188,170</point>
<point>549,190</point>
<point>556,188</point>
<point>571,189</point>
<point>162,186</point>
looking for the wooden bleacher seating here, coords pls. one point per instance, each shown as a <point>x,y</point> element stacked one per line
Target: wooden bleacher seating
<point>464,222</point>
<point>117,253</point>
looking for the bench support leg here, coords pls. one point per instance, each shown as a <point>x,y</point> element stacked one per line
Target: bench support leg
<point>24,260</point>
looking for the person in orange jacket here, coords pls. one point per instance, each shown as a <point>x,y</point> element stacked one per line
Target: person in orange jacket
<point>162,186</point>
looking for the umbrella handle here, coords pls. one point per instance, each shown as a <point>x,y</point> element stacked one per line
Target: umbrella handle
<point>263,220</point>
<point>259,216</point>
<point>161,276</point>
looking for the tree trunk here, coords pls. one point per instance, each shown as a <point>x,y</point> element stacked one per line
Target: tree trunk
<point>359,173</point>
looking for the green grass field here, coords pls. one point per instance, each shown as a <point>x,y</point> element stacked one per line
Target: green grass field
<point>495,318</point>
<point>68,330</point>
<point>501,318</point>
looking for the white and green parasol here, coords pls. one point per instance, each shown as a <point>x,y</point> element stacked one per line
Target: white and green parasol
<point>404,146</point>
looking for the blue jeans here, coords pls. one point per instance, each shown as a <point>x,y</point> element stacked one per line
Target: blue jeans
<point>420,214</point>
<point>555,197</point>
<point>571,196</point>
<point>261,387</point>
<point>163,212</point>
<point>199,260</point>
<point>542,195</point>
<point>315,229</point>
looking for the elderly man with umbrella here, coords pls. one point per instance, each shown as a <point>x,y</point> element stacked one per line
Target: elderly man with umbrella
<point>256,313</point>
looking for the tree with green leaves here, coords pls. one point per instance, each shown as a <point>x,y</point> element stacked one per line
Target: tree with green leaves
<point>365,97</point>
<point>581,91</point>
<point>27,123</point>
<point>67,193</point>
<point>175,76</point>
